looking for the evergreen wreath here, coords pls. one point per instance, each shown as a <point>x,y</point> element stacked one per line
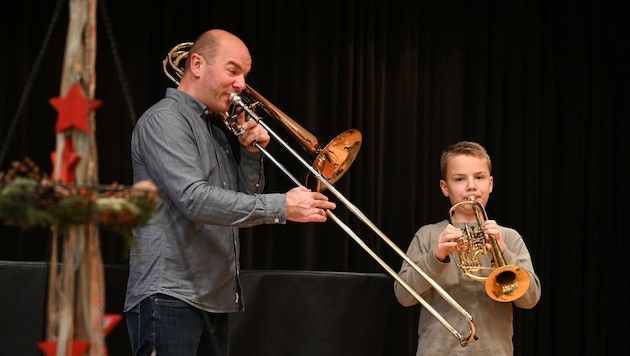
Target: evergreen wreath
<point>31,199</point>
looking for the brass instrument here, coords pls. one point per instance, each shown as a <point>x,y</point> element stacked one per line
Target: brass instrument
<point>504,283</point>
<point>330,164</point>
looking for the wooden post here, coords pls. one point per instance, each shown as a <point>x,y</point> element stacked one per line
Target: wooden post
<point>76,291</point>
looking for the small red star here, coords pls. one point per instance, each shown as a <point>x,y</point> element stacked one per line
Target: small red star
<point>78,347</point>
<point>110,322</point>
<point>74,109</point>
<point>69,161</point>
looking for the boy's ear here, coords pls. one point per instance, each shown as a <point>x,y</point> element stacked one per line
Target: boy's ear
<point>443,187</point>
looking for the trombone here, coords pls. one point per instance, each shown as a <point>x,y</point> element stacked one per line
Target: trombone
<point>331,162</point>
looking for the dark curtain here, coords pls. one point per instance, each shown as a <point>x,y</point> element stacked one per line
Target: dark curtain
<point>542,84</point>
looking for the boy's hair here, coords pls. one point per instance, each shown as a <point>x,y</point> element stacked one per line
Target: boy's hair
<point>468,148</point>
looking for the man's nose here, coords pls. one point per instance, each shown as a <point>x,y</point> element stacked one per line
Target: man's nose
<point>239,83</point>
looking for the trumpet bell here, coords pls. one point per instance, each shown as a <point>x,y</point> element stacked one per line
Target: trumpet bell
<point>507,283</point>
<point>333,161</point>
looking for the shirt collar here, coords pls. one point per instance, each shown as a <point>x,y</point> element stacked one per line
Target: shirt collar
<point>188,100</point>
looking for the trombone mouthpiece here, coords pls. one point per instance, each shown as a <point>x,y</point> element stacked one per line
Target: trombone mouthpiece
<point>471,198</point>
<point>235,98</point>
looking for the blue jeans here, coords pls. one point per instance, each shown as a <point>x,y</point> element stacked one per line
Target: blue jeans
<point>171,327</point>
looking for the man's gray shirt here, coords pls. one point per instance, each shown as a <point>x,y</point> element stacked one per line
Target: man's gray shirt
<point>190,249</point>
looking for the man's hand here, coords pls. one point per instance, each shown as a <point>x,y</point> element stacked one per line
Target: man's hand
<point>304,205</point>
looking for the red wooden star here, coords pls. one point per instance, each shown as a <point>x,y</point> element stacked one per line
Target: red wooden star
<point>78,347</point>
<point>110,322</point>
<point>74,109</point>
<point>69,161</point>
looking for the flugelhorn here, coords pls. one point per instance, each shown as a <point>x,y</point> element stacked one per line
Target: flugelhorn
<point>503,282</point>
<point>330,163</point>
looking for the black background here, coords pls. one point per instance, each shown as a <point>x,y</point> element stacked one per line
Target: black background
<point>543,85</point>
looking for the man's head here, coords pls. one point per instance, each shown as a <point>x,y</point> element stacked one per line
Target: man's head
<point>218,63</point>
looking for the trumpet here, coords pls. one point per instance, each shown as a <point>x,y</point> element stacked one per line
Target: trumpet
<point>504,283</point>
<point>330,164</point>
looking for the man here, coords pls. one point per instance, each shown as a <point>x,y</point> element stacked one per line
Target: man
<point>184,265</point>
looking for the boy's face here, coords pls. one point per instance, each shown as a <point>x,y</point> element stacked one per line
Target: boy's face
<point>466,176</point>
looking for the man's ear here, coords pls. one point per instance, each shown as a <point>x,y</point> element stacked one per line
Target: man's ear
<point>196,63</point>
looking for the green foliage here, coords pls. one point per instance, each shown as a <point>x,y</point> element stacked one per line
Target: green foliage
<point>27,203</point>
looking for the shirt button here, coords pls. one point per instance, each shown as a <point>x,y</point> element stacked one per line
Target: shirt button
<point>276,220</point>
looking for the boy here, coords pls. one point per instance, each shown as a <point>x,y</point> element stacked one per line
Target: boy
<point>466,171</point>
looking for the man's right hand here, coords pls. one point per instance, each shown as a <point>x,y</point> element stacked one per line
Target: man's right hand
<point>304,205</point>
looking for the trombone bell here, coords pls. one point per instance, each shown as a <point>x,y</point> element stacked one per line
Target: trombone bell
<point>334,160</point>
